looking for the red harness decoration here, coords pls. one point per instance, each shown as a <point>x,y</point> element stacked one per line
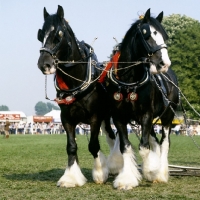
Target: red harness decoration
<point>114,61</point>
<point>67,100</point>
<point>61,84</point>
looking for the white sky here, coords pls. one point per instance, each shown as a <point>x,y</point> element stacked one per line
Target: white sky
<point>22,83</point>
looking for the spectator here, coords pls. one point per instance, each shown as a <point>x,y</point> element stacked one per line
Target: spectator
<point>2,128</point>
<point>77,130</point>
<point>48,128</point>
<point>129,129</point>
<point>6,128</point>
<point>38,128</point>
<point>177,129</point>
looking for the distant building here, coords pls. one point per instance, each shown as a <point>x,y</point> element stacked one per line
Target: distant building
<point>13,116</point>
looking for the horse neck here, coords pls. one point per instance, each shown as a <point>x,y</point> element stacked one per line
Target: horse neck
<point>129,70</point>
<point>74,76</point>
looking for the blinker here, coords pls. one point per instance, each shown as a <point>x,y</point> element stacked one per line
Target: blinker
<point>145,29</point>
<point>40,35</point>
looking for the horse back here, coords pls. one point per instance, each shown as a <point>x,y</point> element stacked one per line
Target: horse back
<point>171,85</point>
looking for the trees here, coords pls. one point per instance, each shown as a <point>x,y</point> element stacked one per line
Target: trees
<point>184,52</point>
<point>42,108</point>
<point>4,108</point>
<point>174,23</point>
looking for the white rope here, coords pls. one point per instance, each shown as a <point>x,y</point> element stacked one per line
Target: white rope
<point>102,69</point>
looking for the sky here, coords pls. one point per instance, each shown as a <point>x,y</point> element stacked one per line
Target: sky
<point>22,83</point>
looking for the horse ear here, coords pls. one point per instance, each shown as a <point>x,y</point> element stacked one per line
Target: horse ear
<point>46,14</point>
<point>60,12</point>
<point>147,16</point>
<point>40,35</point>
<point>160,17</point>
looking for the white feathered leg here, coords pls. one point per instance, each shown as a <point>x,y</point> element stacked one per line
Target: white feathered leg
<point>110,141</point>
<point>155,161</point>
<point>151,160</point>
<point>100,170</point>
<point>163,174</point>
<point>72,177</point>
<point>129,176</point>
<point>115,160</point>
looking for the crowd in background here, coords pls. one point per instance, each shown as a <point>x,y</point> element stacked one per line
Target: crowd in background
<point>34,128</point>
<point>84,129</point>
<point>181,129</point>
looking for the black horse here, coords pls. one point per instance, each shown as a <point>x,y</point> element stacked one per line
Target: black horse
<point>80,96</point>
<point>140,91</point>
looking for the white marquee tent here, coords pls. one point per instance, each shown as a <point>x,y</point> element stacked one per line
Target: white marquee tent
<point>55,114</point>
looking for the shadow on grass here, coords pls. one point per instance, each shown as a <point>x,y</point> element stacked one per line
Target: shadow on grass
<point>52,175</point>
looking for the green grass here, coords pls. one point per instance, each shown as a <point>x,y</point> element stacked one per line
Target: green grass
<point>30,166</point>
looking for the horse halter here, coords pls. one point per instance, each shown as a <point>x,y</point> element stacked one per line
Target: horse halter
<point>59,35</point>
<point>144,33</point>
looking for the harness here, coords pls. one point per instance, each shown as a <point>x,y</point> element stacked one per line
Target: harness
<point>65,95</point>
<point>143,31</point>
<point>129,89</point>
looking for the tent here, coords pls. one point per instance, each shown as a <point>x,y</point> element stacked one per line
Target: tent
<point>55,114</point>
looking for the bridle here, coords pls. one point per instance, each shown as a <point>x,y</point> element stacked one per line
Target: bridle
<point>61,32</point>
<point>150,51</point>
<point>131,88</point>
<point>86,52</point>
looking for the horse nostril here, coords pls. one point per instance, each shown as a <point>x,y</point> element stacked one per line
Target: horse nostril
<point>162,63</point>
<point>46,66</point>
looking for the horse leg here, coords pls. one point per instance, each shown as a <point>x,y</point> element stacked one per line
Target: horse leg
<point>163,174</point>
<point>100,170</point>
<point>151,158</point>
<point>110,136</point>
<point>73,175</point>
<point>129,175</point>
<point>114,160</point>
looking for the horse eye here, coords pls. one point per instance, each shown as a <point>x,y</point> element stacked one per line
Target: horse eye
<point>155,32</point>
<point>60,33</point>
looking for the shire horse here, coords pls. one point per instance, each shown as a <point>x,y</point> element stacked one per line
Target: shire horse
<point>80,96</point>
<point>140,90</point>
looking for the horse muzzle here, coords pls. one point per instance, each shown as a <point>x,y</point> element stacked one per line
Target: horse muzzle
<point>46,65</point>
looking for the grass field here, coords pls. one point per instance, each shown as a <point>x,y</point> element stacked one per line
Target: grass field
<point>30,166</point>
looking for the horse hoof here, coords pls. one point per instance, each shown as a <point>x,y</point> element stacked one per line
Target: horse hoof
<point>65,184</point>
<point>124,187</point>
<point>155,181</point>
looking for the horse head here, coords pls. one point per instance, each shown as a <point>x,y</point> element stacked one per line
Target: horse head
<point>54,35</point>
<point>147,38</point>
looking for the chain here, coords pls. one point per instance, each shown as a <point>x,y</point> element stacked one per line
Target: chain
<point>46,97</point>
<point>182,95</point>
<point>189,105</point>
